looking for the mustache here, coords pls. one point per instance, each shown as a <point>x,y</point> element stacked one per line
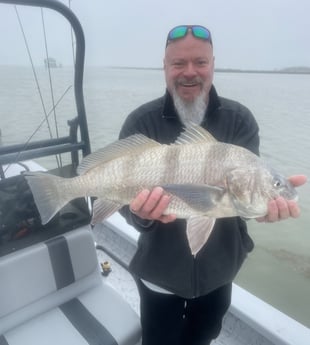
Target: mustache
<point>182,81</point>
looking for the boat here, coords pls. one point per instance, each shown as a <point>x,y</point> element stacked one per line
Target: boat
<point>68,283</point>
<point>51,63</point>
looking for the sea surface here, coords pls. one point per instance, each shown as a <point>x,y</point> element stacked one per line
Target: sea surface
<point>278,270</point>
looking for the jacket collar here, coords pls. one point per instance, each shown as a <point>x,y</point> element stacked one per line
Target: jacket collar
<point>169,111</point>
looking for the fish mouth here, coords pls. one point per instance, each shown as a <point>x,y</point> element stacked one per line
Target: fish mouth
<point>295,198</point>
<point>290,196</point>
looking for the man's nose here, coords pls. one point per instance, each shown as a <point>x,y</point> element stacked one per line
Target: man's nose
<point>190,70</point>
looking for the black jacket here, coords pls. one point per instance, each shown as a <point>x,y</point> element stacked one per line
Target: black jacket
<point>163,256</point>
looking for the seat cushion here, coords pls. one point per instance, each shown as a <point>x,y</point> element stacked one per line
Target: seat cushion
<point>97,317</point>
<point>37,278</point>
<point>53,293</point>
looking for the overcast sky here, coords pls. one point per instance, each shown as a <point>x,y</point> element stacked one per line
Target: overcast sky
<point>247,34</point>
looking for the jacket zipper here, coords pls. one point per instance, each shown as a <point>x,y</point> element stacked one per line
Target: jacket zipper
<point>194,278</point>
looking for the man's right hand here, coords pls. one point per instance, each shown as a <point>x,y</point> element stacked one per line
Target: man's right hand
<point>151,205</point>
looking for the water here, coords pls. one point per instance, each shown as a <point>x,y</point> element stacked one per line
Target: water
<point>278,270</point>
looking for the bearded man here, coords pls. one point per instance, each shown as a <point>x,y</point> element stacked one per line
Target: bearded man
<point>183,297</point>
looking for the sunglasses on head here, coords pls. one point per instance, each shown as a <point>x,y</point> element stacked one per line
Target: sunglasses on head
<point>181,31</point>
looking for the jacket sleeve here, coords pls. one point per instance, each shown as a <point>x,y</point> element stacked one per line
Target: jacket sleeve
<point>246,132</point>
<point>141,225</point>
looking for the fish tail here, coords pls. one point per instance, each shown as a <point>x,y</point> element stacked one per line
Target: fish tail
<point>47,194</point>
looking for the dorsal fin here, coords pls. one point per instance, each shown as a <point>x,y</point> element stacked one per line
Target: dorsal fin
<point>133,144</point>
<point>195,135</point>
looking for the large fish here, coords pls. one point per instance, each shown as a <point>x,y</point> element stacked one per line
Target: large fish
<point>206,179</point>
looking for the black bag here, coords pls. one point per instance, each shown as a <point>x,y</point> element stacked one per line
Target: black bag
<point>20,223</point>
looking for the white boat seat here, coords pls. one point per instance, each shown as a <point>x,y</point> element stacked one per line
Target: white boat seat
<point>53,293</point>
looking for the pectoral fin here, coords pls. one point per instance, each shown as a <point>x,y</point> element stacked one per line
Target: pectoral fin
<point>199,197</point>
<point>102,209</point>
<point>198,230</point>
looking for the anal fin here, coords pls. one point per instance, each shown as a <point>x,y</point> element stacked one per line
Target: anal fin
<point>198,230</point>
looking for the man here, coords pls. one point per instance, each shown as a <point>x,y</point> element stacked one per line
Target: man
<point>184,297</point>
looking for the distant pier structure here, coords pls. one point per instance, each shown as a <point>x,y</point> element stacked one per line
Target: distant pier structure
<point>51,63</point>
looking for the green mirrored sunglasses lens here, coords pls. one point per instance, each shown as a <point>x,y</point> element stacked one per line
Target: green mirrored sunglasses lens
<point>201,32</point>
<point>178,32</point>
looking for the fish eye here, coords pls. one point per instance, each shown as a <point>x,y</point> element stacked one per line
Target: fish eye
<point>277,183</point>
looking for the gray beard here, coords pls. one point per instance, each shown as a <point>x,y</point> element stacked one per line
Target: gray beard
<point>190,112</point>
